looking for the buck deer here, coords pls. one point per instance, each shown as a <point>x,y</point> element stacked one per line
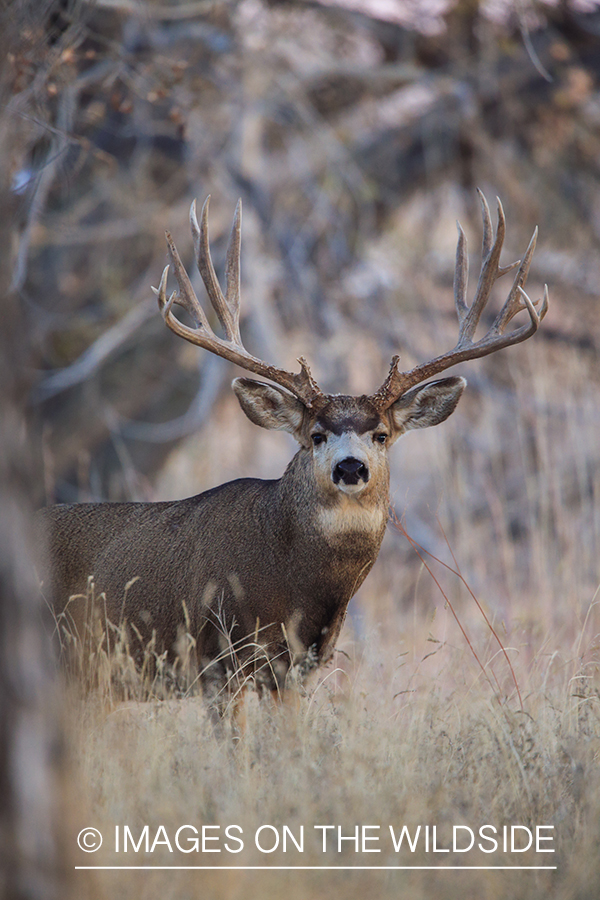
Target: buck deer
<point>260,573</point>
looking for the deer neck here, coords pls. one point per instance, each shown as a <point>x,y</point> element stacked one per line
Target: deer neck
<point>336,538</point>
<point>324,513</point>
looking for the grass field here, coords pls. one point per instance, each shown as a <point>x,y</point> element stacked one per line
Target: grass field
<point>366,753</point>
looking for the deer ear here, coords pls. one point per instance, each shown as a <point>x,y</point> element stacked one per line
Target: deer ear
<point>269,406</point>
<point>427,405</point>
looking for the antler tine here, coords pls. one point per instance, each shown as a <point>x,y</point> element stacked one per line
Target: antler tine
<point>514,302</point>
<point>187,295</point>
<point>490,269</point>
<point>461,275</point>
<point>397,382</point>
<point>488,230</point>
<point>536,315</point>
<point>164,303</point>
<point>207,270</point>
<point>227,307</point>
<point>232,270</point>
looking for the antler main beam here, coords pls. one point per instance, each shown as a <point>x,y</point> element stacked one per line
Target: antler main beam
<point>226,306</point>
<point>397,382</point>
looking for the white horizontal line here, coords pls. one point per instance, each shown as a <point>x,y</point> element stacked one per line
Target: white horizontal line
<point>311,868</point>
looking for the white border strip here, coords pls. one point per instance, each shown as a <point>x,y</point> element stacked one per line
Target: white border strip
<point>305,868</point>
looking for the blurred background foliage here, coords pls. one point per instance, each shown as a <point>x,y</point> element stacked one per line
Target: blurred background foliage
<point>356,133</point>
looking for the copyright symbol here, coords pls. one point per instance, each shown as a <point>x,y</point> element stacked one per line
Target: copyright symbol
<point>89,839</point>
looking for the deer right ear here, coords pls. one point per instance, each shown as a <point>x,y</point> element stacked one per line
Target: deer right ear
<point>270,406</point>
<point>428,404</point>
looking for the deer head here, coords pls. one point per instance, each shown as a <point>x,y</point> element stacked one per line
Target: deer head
<point>348,437</point>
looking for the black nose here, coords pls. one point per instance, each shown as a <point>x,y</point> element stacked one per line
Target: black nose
<point>350,471</point>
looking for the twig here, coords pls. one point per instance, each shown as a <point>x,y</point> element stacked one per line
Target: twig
<point>91,359</point>
<point>419,550</point>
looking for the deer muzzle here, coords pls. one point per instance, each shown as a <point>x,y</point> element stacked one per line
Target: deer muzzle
<point>350,472</point>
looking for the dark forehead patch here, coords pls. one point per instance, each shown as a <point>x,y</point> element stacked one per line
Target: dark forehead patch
<point>344,413</point>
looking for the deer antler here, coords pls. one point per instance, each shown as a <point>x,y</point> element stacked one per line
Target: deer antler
<point>397,382</point>
<point>226,306</point>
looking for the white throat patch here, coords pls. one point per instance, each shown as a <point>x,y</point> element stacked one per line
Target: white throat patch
<point>349,514</point>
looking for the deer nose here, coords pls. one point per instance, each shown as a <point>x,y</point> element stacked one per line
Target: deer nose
<point>350,471</point>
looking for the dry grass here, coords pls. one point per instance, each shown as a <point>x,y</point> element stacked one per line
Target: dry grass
<point>362,754</point>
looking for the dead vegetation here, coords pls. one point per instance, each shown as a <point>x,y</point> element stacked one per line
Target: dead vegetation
<point>391,744</point>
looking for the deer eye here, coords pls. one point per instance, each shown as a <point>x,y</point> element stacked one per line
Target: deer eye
<point>318,438</point>
<point>380,438</point>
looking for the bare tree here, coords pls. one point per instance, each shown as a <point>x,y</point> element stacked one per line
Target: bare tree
<point>30,739</point>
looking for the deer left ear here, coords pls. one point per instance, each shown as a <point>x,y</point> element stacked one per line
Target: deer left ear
<point>270,406</point>
<point>426,405</point>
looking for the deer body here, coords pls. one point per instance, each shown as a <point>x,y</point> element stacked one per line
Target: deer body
<point>234,594</point>
<point>260,573</point>
<point>265,569</point>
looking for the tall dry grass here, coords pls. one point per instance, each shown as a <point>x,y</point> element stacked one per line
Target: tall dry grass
<point>367,754</point>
